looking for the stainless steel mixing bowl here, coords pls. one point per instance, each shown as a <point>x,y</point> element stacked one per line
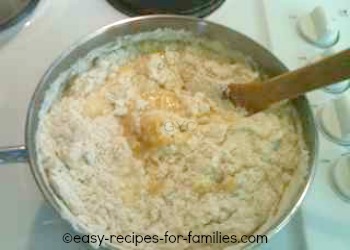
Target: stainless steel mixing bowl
<point>236,41</point>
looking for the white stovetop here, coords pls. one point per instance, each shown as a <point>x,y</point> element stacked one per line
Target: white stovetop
<point>326,217</point>
<point>28,223</point>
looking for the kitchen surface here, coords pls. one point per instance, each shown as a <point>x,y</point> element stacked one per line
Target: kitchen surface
<point>284,27</point>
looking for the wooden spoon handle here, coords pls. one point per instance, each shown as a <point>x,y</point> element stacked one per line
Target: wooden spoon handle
<point>325,72</point>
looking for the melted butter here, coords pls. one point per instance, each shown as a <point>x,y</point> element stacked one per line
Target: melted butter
<point>145,127</point>
<point>155,187</point>
<point>162,107</point>
<point>96,104</point>
<point>152,130</point>
<point>205,185</point>
<point>163,100</point>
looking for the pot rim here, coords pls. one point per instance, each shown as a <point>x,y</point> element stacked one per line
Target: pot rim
<point>35,104</point>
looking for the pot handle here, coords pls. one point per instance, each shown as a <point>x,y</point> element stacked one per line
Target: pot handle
<point>13,154</point>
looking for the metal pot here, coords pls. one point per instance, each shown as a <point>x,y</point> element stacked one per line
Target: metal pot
<point>270,64</point>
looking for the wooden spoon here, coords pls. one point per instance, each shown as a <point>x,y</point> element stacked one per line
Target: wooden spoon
<point>257,96</point>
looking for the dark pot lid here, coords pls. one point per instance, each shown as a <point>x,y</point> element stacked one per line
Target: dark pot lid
<point>13,11</point>
<point>198,8</point>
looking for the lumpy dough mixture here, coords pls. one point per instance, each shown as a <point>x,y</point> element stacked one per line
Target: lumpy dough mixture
<point>152,146</point>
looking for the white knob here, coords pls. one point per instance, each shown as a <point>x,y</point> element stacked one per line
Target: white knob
<point>316,27</point>
<point>341,176</point>
<point>334,119</point>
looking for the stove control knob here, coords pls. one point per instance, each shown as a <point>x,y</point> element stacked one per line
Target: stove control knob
<point>317,28</point>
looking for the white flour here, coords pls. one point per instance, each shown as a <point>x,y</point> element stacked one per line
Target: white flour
<point>144,142</point>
